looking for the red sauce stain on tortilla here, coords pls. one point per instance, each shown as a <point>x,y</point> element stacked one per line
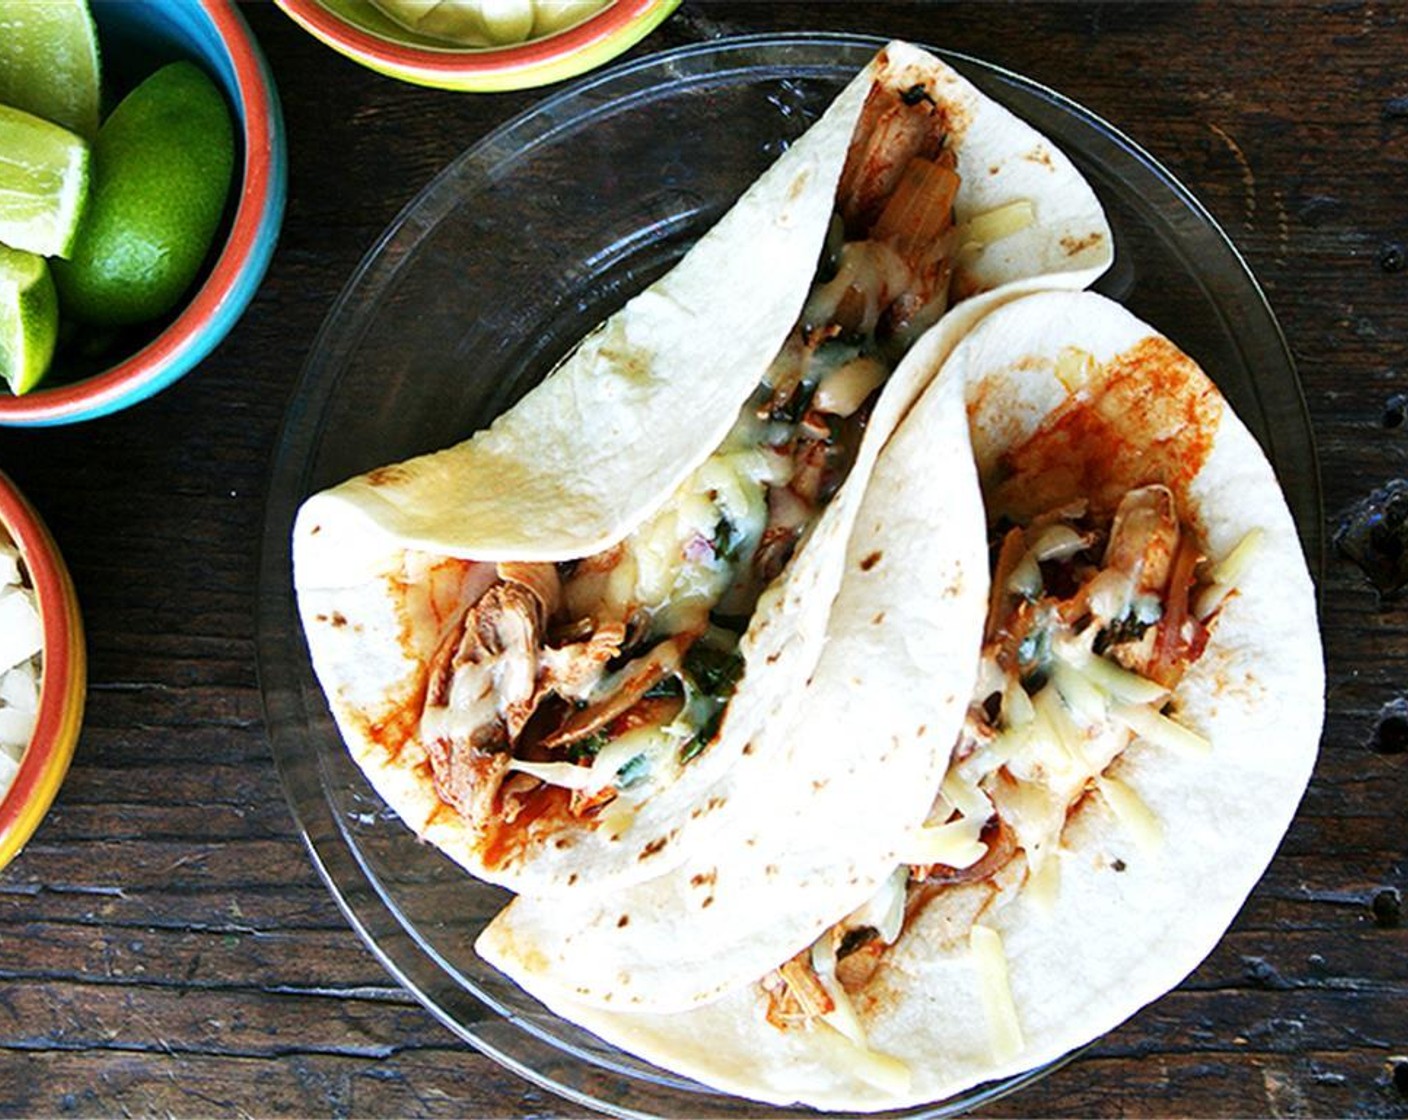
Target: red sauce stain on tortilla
<point>400,724</point>
<point>1149,415</point>
<point>543,813</point>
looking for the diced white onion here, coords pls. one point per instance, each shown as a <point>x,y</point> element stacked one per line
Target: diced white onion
<point>21,633</point>
<point>1058,542</point>
<point>16,729</point>
<point>1025,579</point>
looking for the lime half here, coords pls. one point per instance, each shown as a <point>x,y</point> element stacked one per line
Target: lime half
<point>49,62</point>
<point>29,318</point>
<point>43,183</point>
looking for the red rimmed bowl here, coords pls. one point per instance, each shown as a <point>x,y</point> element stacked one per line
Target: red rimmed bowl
<point>63,678</point>
<point>135,40</point>
<point>357,29</point>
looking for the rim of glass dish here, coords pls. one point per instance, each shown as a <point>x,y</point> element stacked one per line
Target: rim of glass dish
<point>327,363</point>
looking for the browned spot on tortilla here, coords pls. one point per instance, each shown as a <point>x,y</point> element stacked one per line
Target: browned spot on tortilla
<point>572,879</point>
<point>773,656</point>
<point>1074,245</point>
<point>562,843</point>
<point>315,530</point>
<point>1149,415</point>
<point>819,784</point>
<point>1040,154</point>
<point>715,803</point>
<point>748,748</point>
<point>707,902</point>
<point>870,561</point>
<point>654,847</point>
<point>879,618</point>
<point>770,870</point>
<point>338,619</point>
<point>923,730</point>
<point>994,169</point>
<point>623,921</point>
<point>388,475</point>
<point>703,878</point>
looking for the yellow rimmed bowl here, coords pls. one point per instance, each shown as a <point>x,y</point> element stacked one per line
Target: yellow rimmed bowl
<point>63,678</point>
<point>357,29</point>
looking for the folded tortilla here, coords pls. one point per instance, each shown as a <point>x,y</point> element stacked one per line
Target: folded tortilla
<point>802,843</point>
<point>385,563</point>
<point>1074,404</point>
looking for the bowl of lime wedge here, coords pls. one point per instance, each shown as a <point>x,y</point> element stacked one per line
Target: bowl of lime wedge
<point>142,185</point>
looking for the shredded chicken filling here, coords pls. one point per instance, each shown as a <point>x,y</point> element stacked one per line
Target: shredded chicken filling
<point>1091,625</point>
<point>591,683</point>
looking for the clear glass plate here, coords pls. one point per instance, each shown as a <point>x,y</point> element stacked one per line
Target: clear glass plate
<point>509,256</point>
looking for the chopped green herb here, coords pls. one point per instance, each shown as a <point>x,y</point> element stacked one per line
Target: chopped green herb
<point>669,686</point>
<point>728,541</point>
<point>714,671</point>
<point>695,746</point>
<point>1130,628</point>
<point>588,748</point>
<point>632,772</point>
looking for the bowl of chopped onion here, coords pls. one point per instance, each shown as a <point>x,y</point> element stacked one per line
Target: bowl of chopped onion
<point>43,670</point>
<point>480,45</point>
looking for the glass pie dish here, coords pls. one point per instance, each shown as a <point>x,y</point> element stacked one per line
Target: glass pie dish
<point>471,297</point>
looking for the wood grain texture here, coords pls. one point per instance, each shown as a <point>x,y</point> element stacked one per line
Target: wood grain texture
<point>166,946</point>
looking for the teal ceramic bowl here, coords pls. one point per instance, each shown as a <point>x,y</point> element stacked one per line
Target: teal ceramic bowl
<point>135,39</point>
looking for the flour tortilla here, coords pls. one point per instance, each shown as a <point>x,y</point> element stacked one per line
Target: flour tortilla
<point>1128,922</point>
<point>608,437</point>
<point>801,844</point>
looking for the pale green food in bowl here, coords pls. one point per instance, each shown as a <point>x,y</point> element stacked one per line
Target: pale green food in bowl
<point>457,24</point>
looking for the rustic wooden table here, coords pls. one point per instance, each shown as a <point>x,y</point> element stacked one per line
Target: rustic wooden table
<point>165,944</point>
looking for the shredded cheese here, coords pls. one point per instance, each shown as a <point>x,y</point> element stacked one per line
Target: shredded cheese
<point>1131,811</point>
<point>1154,727</point>
<point>1002,221</point>
<point>1004,1027</point>
<point>954,844</point>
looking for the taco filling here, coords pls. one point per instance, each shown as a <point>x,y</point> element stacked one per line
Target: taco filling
<point>574,690</point>
<point>1093,620</point>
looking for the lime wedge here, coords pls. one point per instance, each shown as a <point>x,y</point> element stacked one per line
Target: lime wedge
<point>49,62</point>
<point>29,318</point>
<point>43,183</point>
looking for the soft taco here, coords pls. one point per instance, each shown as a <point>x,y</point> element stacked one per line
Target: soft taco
<point>798,844</point>
<point>546,645</point>
<point>1148,705</point>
